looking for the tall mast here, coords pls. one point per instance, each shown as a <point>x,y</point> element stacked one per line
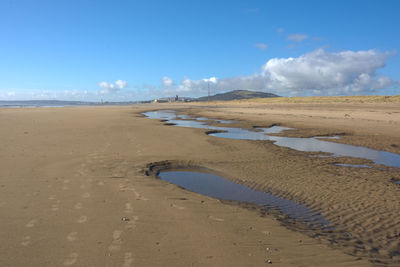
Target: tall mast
<point>208,92</point>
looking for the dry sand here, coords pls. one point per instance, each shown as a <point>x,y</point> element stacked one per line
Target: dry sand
<point>73,189</point>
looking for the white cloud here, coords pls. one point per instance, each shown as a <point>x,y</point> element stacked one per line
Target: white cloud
<point>261,46</point>
<point>106,85</point>
<point>318,72</point>
<point>280,30</point>
<point>192,87</point>
<point>121,84</point>
<point>112,87</point>
<point>73,94</point>
<point>211,80</point>
<point>166,81</point>
<point>297,37</point>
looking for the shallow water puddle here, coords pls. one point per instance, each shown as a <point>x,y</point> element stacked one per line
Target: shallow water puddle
<point>313,144</point>
<point>352,165</point>
<point>217,187</point>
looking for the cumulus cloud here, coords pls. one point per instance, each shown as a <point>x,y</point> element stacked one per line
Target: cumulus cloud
<point>344,71</point>
<point>192,87</point>
<point>195,86</point>
<point>166,81</point>
<point>112,87</point>
<point>121,84</point>
<point>73,94</point>
<point>261,46</point>
<point>318,72</point>
<point>211,80</point>
<point>106,85</point>
<point>297,37</point>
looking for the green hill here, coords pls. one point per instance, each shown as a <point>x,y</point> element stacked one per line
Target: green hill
<point>235,95</point>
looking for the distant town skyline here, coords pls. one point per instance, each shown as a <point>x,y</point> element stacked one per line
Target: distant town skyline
<point>138,50</point>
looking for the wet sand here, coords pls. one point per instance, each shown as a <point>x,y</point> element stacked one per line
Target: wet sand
<point>73,189</point>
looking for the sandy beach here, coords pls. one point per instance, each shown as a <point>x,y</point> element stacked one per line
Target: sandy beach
<point>74,189</point>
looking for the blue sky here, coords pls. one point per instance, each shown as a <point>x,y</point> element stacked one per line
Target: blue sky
<point>135,50</point>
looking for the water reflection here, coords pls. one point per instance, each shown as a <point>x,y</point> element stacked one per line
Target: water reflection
<point>218,187</point>
<point>313,144</point>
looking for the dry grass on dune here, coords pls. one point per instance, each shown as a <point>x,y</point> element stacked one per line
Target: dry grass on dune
<point>322,99</point>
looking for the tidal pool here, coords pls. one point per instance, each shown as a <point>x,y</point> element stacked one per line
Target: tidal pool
<point>217,187</point>
<point>352,165</point>
<point>313,144</point>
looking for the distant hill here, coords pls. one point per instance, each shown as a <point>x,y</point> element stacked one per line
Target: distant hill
<point>235,95</point>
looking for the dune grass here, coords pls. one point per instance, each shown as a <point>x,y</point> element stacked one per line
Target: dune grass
<point>323,99</point>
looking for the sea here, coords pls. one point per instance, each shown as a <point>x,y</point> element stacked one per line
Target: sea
<point>56,103</point>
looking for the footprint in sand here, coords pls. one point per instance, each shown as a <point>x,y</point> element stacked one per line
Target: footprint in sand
<point>31,223</point>
<point>137,195</point>
<point>72,236</point>
<point>26,241</point>
<point>266,232</point>
<point>78,206</point>
<point>128,259</point>
<point>216,219</point>
<point>117,234</point>
<point>132,223</point>
<point>177,207</point>
<point>54,207</point>
<point>71,259</point>
<point>116,243</point>
<point>128,208</point>
<point>122,187</point>
<point>82,219</point>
